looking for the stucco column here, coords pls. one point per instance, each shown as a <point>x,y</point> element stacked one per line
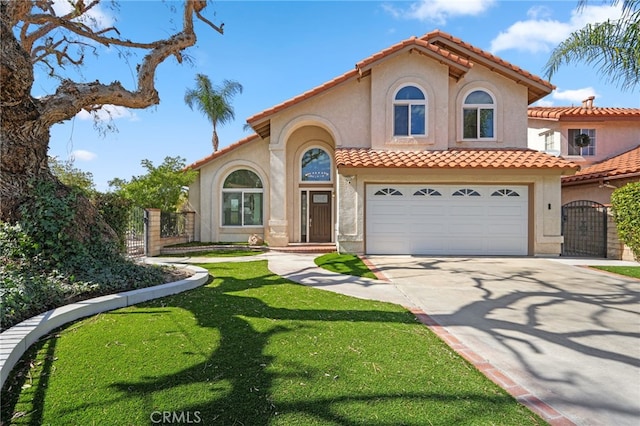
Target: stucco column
<point>277,234</point>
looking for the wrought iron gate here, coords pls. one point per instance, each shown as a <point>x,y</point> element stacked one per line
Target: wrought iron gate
<point>136,232</point>
<point>584,227</point>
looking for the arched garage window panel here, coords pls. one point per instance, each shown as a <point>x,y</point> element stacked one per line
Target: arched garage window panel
<point>409,112</point>
<point>478,115</point>
<point>427,192</point>
<point>505,193</point>
<point>466,192</point>
<point>242,199</point>
<point>388,191</point>
<point>316,166</point>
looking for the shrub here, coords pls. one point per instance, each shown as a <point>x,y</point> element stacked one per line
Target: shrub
<point>42,265</point>
<point>626,212</point>
<point>115,210</point>
<point>29,285</point>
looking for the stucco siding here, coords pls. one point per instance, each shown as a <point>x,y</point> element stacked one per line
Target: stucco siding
<point>432,78</point>
<point>511,109</point>
<point>612,138</point>
<point>206,201</point>
<point>343,112</point>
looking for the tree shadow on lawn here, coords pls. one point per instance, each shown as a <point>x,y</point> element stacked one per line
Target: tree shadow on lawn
<point>241,369</point>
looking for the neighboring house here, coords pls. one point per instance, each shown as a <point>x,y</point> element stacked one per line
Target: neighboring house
<point>609,156</point>
<point>421,149</point>
<point>611,133</point>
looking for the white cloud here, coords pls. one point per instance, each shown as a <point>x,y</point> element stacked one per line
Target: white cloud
<point>82,155</point>
<point>532,36</point>
<point>544,103</point>
<point>573,97</point>
<point>539,12</point>
<point>438,11</point>
<point>96,17</point>
<point>541,34</point>
<point>108,112</point>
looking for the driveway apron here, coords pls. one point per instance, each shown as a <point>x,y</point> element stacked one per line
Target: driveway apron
<point>567,334</point>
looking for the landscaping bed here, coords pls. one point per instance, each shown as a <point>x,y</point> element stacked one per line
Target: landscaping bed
<point>200,247</point>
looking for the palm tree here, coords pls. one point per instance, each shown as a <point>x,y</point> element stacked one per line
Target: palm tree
<point>613,46</point>
<point>213,101</point>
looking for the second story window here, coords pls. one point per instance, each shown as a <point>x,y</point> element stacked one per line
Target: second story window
<point>581,142</point>
<point>478,115</point>
<point>549,142</point>
<point>409,112</point>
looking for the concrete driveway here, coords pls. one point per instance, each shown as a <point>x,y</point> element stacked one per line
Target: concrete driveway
<point>567,334</point>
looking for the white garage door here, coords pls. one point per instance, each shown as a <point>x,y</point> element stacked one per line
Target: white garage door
<point>447,219</point>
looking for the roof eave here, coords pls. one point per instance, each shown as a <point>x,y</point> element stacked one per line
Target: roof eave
<point>537,87</point>
<point>197,165</point>
<point>597,177</point>
<point>457,66</point>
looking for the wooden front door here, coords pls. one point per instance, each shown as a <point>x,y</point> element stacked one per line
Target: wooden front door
<point>320,217</point>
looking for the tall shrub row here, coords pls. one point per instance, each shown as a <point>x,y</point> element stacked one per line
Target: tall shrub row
<point>626,212</point>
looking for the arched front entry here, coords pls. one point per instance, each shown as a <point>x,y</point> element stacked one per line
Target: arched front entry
<point>310,165</point>
<point>316,200</point>
<point>584,227</point>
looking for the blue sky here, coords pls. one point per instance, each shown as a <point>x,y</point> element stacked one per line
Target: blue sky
<point>279,49</point>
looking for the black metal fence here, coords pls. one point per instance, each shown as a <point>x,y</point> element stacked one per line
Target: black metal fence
<point>584,227</point>
<point>173,224</point>
<point>136,233</point>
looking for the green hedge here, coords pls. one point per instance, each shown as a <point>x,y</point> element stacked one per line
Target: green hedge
<point>626,212</point>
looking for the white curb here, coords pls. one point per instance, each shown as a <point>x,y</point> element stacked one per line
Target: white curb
<point>15,341</point>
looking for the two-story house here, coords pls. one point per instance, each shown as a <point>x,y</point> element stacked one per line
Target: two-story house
<point>420,149</point>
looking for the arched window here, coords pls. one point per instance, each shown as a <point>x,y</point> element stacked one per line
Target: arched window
<point>409,112</point>
<point>242,196</point>
<point>478,115</point>
<point>388,191</point>
<point>315,166</point>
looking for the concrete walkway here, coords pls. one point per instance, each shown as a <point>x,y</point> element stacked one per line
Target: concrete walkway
<point>562,339</point>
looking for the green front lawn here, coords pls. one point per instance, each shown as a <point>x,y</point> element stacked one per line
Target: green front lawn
<point>629,271</point>
<point>253,348</point>
<point>348,264</point>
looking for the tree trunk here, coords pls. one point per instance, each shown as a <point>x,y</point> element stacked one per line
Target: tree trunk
<point>24,143</point>
<point>23,163</point>
<point>215,141</point>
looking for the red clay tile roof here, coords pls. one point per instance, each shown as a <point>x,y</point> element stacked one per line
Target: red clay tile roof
<point>621,166</point>
<point>222,152</point>
<point>582,113</point>
<point>463,65</point>
<point>453,158</point>
<point>458,64</point>
<point>538,87</point>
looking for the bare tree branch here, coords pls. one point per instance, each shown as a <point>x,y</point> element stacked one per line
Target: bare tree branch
<point>71,97</point>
